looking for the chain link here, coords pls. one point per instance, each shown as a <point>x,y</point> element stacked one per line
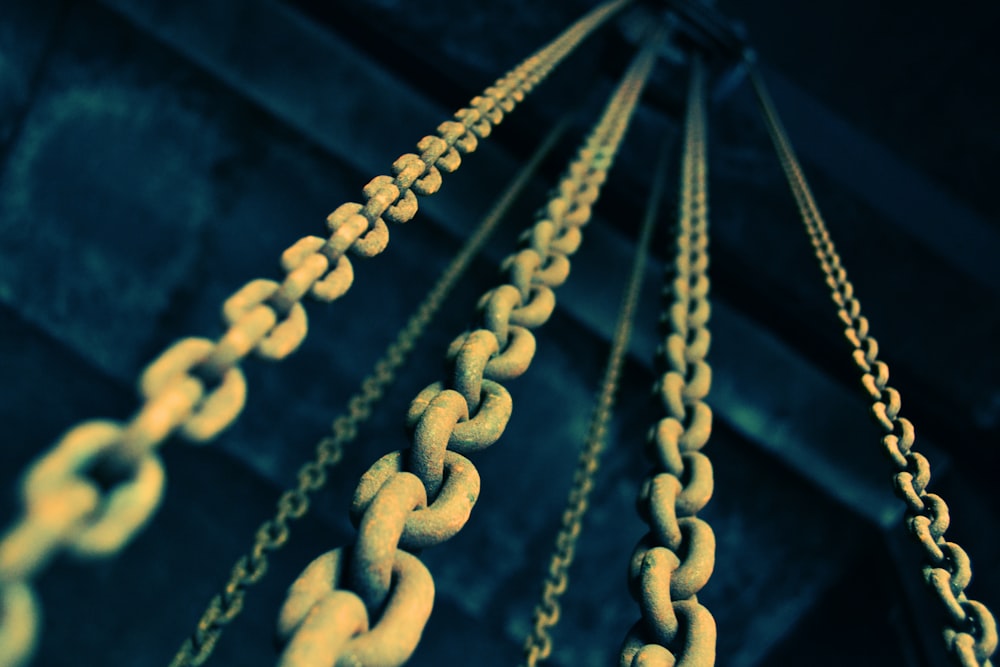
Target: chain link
<point>423,495</point>
<point>295,503</point>
<point>971,633</point>
<point>676,558</point>
<point>538,643</point>
<point>196,388</point>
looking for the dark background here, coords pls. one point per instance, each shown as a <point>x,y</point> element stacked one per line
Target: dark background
<point>154,156</point>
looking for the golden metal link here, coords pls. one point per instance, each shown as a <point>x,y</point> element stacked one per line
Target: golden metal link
<point>226,606</point>
<point>438,412</point>
<point>675,560</point>
<point>208,394</point>
<point>380,528</point>
<point>538,643</point>
<point>444,517</point>
<point>65,507</point>
<point>477,433</point>
<point>18,622</point>
<point>280,338</point>
<point>971,636</point>
<point>172,373</point>
<point>126,506</point>
<point>318,615</point>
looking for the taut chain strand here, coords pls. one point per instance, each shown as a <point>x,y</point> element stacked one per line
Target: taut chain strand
<point>676,558</point>
<point>196,387</point>
<point>971,633</point>
<point>294,503</point>
<point>538,644</point>
<point>368,603</point>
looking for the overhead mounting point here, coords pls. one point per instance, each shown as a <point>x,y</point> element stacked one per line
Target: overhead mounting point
<point>702,27</point>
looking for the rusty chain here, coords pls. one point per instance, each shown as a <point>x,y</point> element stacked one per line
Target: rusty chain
<point>676,558</point>
<point>971,633</point>
<point>419,497</point>
<point>538,643</point>
<point>196,387</point>
<point>295,503</point>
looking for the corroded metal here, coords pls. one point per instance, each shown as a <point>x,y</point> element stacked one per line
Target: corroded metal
<point>439,412</point>
<point>295,503</point>
<point>676,558</point>
<point>323,624</point>
<point>196,388</point>
<point>538,643</point>
<point>970,632</point>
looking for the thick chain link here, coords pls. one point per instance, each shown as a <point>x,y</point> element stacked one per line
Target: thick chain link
<point>422,496</point>
<point>538,643</point>
<point>676,558</point>
<point>294,503</point>
<point>971,633</point>
<point>196,387</point>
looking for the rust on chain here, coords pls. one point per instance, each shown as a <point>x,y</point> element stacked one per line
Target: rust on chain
<point>538,643</point>
<point>380,528</point>
<point>324,624</point>
<point>442,518</point>
<point>439,416</point>
<point>295,503</point>
<point>674,561</point>
<point>203,389</point>
<point>971,631</point>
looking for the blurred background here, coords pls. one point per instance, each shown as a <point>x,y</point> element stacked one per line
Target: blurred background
<point>156,155</point>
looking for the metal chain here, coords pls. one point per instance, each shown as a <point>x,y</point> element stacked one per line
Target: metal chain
<point>971,633</point>
<point>422,496</point>
<point>676,558</point>
<point>294,503</point>
<point>538,643</point>
<point>196,387</point>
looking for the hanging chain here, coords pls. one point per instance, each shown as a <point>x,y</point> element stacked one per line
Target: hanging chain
<point>538,644</point>
<point>676,558</point>
<point>196,387</point>
<point>294,503</point>
<point>422,496</point>
<point>971,633</point>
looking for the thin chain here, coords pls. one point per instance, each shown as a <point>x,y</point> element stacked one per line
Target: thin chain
<point>368,603</point>
<point>676,558</point>
<point>538,643</point>
<point>294,503</point>
<point>971,630</point>
<point>196,388</point>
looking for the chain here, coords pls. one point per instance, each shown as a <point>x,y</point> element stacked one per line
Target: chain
<point>538,644</point>
<point>196,387</point>
<point>422,496</point>
<point>971,631</point>
<point>294,503</point>
<point>676,558</point>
